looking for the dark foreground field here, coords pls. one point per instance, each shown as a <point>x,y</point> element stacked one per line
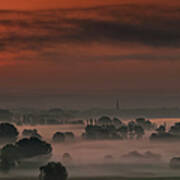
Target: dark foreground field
<point>97,178</point>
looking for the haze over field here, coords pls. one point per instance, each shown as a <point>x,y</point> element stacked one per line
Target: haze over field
<point>88,157</point>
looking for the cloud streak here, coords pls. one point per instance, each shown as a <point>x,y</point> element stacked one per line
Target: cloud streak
<point>119,26</point>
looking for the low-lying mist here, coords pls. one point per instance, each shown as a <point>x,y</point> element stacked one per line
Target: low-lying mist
<point>130,158</point>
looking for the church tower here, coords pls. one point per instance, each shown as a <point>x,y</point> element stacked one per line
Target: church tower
<point>117,105</point>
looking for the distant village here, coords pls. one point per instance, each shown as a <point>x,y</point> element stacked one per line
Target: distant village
<point>69,116</point>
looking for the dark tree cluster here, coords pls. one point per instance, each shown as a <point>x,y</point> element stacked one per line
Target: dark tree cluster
<point>31,133</point>
<point>132,130</point>
<point>175,129</point>
<point>162,134</point>
<point>25,148</point>
<point>53,171</point>
<point>8,132</point>
<point>175,163</point>
<point>104,120</point>
<point>63,137</point>
<point>100,132</point>
<point>31,147</point>
<point>107,121</point>
<point>105,129</point>
<point>145,124</point>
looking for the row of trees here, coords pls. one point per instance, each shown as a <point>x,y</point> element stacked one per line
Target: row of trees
<point>162,134</point>
<point>110,132</point>
<point>106,120</point>
<point>63,137</point>
<point>9,134</point>
<point>107,128</point>
<point>101,129</point>
<point>129,131</point>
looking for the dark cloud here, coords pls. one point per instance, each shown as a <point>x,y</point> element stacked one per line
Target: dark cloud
<point>118,32</point>
<point>124,25</point>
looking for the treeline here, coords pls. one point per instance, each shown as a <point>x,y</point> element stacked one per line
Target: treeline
<point>62,116</point>
<point>107,128</point>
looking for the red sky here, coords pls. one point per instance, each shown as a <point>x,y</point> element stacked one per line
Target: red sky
<point>88,45</point>
<point>45,4</point>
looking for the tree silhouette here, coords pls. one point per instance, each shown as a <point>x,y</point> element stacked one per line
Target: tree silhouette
<point>175,163</point>
<point>139,131</point>
<point>8,132</point>
<point>161,129</point>
<point>53,171</point>
<point>32,147</point>
<point>58,137</point>
<point>25,148</point>
<point>8,157</point>
<point>104,120</point>
<point>175,129</point>
<point>123,131</point>
<point>131,128</point>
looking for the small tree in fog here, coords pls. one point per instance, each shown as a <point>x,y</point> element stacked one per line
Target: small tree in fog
<point>58,137</point>
<point>67,159</point>
<point>161,129</point>
<point>53,171</point>
<point>175,129</point>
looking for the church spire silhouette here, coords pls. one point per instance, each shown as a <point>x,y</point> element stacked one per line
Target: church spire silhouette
<point>117,105</point>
